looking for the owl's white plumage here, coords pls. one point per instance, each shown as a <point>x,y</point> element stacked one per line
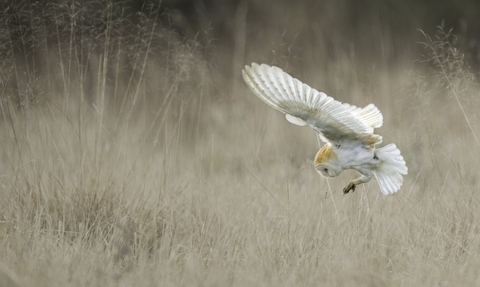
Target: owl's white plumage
<point>347,130</point>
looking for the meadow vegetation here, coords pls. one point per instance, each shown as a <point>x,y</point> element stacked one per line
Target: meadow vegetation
<point>128,159</point>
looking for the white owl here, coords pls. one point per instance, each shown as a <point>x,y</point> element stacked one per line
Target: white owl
<point>346,129</point>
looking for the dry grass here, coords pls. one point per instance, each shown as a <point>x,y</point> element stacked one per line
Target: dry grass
<point>123,163</point>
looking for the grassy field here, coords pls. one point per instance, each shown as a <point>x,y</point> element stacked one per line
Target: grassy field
<point>127,160</point>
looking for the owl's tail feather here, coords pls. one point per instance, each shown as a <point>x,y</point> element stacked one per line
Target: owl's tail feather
<point>389,172</point>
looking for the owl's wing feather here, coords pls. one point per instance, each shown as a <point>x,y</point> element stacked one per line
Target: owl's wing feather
<point>303,105</point>
<point>369,116</point>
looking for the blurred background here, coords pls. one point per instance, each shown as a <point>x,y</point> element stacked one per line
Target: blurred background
<point>306,35</point>
<point>341,47</point>
<point>381,33</point>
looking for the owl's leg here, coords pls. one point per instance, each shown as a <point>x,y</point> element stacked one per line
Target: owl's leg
<point>352,184</point>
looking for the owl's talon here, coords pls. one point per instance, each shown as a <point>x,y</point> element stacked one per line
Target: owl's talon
<point>350,186</point>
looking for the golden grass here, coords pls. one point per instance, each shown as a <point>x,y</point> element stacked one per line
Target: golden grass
<point>149,176</point>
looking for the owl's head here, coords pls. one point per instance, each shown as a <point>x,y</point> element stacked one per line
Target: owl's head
<point>327,170</point>
<point>324,161</point>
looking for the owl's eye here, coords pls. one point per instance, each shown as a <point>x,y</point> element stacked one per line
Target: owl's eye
<point>325,169</point>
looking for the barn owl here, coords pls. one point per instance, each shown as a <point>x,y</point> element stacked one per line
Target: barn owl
<point>347,130</point>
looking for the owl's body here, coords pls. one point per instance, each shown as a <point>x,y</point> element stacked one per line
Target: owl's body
<point>347,130</point>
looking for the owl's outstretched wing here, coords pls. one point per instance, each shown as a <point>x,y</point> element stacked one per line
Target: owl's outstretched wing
<point>303,105</point>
